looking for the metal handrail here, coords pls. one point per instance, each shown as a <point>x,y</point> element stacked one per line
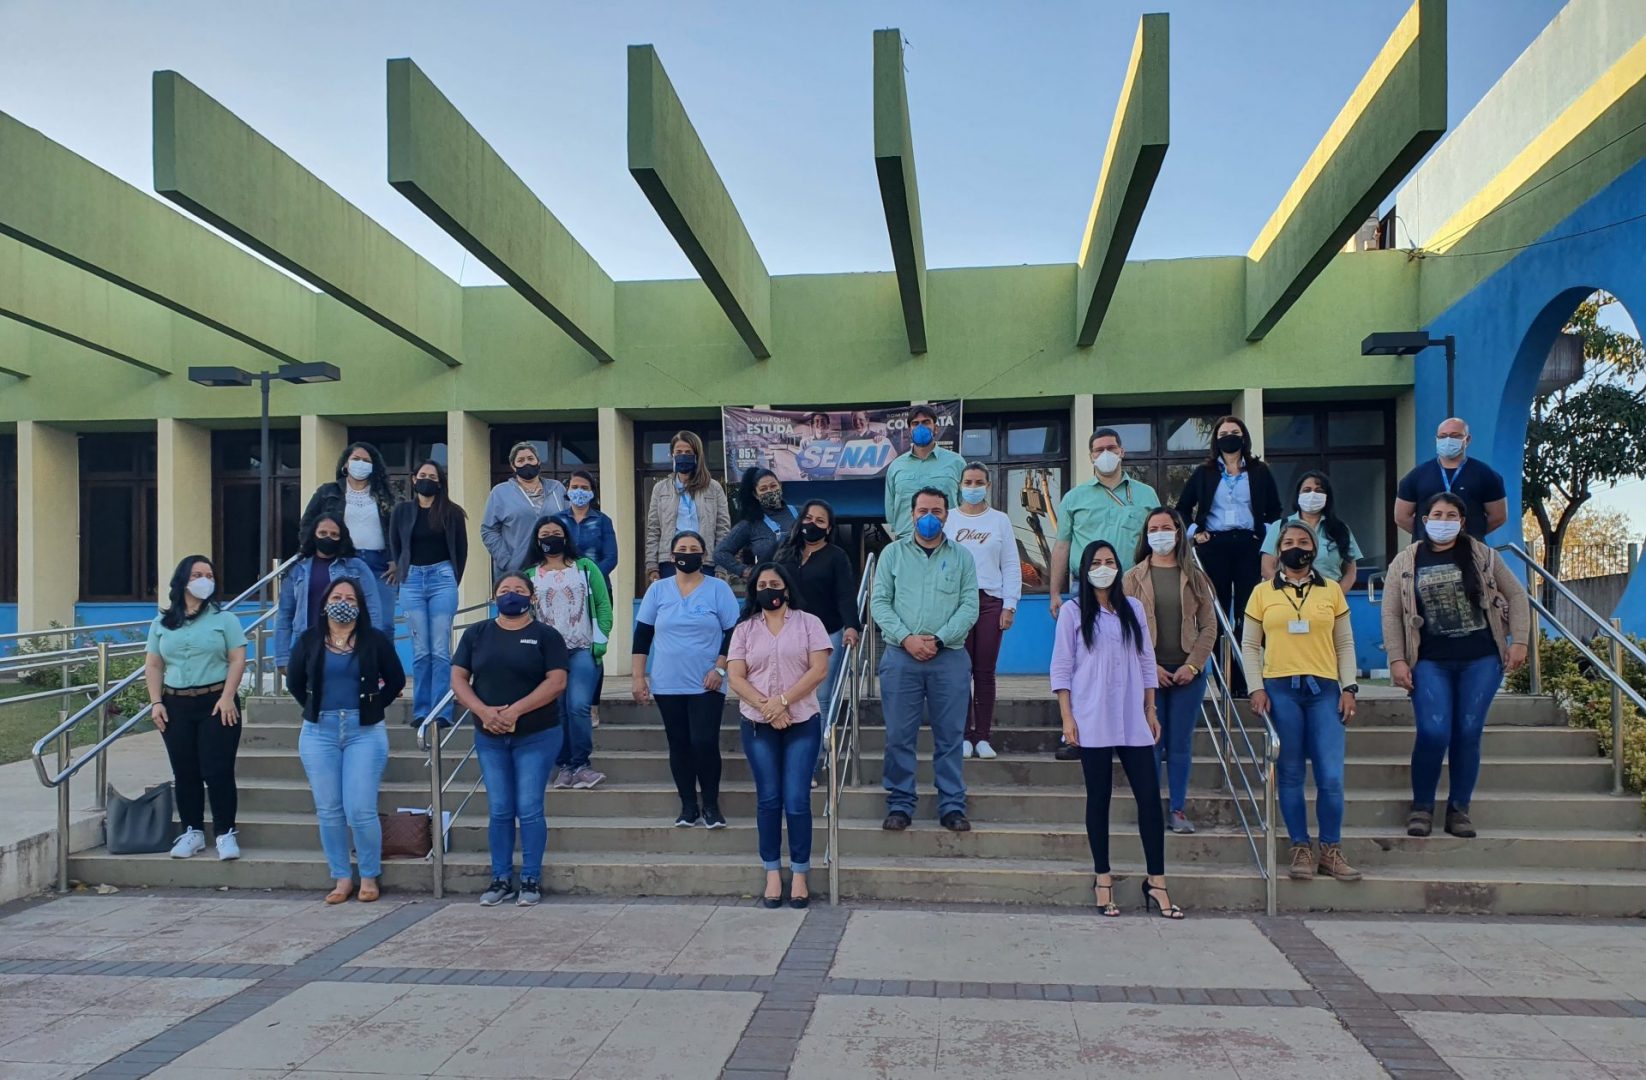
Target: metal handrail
<point>58,631</point>
<point>1606,628</point>
<point>856,667</point>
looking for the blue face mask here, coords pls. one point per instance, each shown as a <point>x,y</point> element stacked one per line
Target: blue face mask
<point>974,495</point>
<point>922,435</point>
<point>928,526</point>
<point>580,496</point>
<point>512,604</point>
<point>1449,447</point>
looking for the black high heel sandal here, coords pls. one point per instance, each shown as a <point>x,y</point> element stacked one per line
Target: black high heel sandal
<point>1105,908</point>
<point>1168,910</point>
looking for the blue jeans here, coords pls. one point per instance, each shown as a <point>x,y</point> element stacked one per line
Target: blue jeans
<point>344,763</point>
<point>1450,699</point>
<point>387,595</point>
<point>1305,716</point>
<point>1179,709</point>
<point>941,690</point>
<point>582,677</point>
<point>516,771</point>
<point>782,763</point>
<point>430,596</point>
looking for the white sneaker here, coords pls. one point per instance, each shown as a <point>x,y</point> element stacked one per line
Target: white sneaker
<point>228,846</point>
<point>191,843</point>
<point>965,748</point>
<point>984,750</point>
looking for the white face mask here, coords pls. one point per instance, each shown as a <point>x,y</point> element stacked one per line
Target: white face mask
<point>1102,577</point>
<point>1106,463</point>
<point>1311,502</point>
<point>1442,532</point>
<point>359,469</point>
<point>1162,542</point>
<point>201,588</point>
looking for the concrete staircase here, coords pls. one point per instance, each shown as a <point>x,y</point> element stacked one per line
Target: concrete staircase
<point>1553,840</point>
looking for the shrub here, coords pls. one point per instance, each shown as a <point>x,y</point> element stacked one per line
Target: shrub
<point>1586,699</point>
<point>50,676</point>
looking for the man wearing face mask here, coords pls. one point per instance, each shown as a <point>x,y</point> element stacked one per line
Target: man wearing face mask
<point>924,465</point>
<point>1453,471</point>
<point>1112,507</point>
<point>925,602</point>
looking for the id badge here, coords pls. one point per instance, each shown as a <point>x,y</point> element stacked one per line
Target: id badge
<point>1298,626</point>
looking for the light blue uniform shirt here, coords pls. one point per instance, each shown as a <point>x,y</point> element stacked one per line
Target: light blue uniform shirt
<point>689,631</point>
<point>197,653</point>
<point>1231,502</point>
<point>685,518</point>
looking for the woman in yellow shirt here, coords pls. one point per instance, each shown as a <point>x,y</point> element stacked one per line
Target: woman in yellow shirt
<point>1297,634</point>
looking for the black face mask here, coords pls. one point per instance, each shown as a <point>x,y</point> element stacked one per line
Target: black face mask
<point>1296,558</point>
<point>552,545</point>
<point>428,487</point>
<point>1230,444</point>
<point>812,532</point>
<point>770,599</point>
<point>527,471</point>
<point>328,545</point>
<point>688,562</point>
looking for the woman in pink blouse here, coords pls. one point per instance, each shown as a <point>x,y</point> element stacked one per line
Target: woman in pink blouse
<point>1103,672</point>
<point>778,657</point>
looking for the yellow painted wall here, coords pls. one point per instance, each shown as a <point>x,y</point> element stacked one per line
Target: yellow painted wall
<point>182,496</point>
<point>48,524</point>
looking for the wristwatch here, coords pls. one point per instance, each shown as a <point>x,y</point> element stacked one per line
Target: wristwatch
<point>720,671</point>
<point>783,699</point>
<point>1352,688</point>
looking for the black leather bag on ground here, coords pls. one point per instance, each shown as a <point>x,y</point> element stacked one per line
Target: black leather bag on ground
<point>140,826</point>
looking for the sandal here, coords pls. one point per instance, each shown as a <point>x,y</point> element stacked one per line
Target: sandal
<point>1168,910</point>
<point>1105,908</point>
<point>369,892</point>
<point>341,892</point>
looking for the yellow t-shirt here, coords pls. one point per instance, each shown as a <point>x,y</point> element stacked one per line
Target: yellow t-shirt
<point>1286,653</point>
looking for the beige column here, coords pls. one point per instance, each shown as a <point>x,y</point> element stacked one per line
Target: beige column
<point>1082,419</point>
<point>1405,437</point>
<point>618,498</point>
<point>468,471</point>
<point>321,444</point>
<point>1248,405</point>
<point>182,495</point>
<point>48,525</point>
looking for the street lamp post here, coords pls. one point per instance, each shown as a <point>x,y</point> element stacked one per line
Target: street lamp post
<point>1403,343</point>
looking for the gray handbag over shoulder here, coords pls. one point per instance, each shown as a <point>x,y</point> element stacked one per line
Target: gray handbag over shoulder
<point>142,825</point>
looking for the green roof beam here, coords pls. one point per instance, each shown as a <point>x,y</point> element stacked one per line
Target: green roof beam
<point>446,169</point>
<point>49,294</point>
<point>669,162</point>
<point>894,164</point>
<point>1131,162</point>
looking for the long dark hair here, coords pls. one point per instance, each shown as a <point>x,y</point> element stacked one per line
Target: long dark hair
<point>536,556</point>
<point>748,503</point>
<point>377,483</point>
<point>1245,441</point>
<point>178,613</point>
<point>1185,546</point>
<point>1463,551</point>
<point>793,543</point>
<point>1330,523</point>
<point>442,504</point>
<point>362,621</point>
<point>1130,632</point>
<point>751,606</point>
<point>346,551</point>
<point>594,503</point>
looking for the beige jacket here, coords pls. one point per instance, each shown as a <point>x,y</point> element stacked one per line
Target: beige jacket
<point>1199,609</point>
<point>713,515</point>
<point>1503,597</point>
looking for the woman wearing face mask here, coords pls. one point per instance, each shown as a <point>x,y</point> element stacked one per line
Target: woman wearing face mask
<point>362,498</point>
<point>513,507</point>
<point>592,532</point>
<point>344,672</point>
<point>685,623</point>
<point>1178,603</point>
<point>508,672</point>
<point>826,584</point>
<point>429,541</point>
<point>569,594</point>
<point>1316,508</point>
<point>988,535</point>
<point>1229,501</point>
<point>195,656</point>
<point>1455,617</point>
<point>777,658</point>
<point>326,555</point>
<point>690,500</point>
<point>764,519</point>
<point>1103,672</point>
<point>1297,635</point>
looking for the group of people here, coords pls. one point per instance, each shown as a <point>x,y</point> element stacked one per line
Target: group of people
<point>1129,665</point>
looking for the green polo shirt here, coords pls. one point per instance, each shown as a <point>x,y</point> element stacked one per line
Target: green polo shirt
<point>197,653</point>
<point>907,474</point>
<point>920,593</point>
<point>1094,512</point>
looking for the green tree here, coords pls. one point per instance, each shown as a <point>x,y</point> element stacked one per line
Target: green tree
<point>1588,434</point>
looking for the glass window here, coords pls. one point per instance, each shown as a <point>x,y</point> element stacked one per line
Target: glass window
<point>579,450</point>
<point>1358,488</point>
<point>1039,439</point>
<point>1288,431</point>
<point>1358,428</point>
<point>1189,434</point>
<point>1351,446</point>
<point>112,453</point>
<point>1137,436</point>
<point>977,443</point>
<point>8,518</point>
<point>1028,464</point>
<point>109,512</point>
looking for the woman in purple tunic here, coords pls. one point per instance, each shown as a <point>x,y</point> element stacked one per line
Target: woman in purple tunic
<point>1103,672</point>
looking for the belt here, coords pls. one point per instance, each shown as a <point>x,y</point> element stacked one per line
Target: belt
<point>193,691</point>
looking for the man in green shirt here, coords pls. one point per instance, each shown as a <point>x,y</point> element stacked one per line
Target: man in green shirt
<point>924,465</point>
<point>1112,507</point>
<point>925,602</point>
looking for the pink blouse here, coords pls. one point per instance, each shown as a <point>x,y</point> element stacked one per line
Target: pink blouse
<point>777,661</point>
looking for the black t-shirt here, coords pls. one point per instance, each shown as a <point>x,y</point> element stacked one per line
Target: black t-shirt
<point>1475,482</point>
<point>1454,627</point>
<point>428,544</point>
<point>828,587</point>
<point>507,665</point>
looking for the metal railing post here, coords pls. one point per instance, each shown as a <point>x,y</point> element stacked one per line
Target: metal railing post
<point>1271,885</point>
<point>1534,657</point>
<point>437,816</point>
<point>63,811</point>
<point>102,725</point>
<point>1617,707</point>
<point>834,819</point>
<point>855,729</point>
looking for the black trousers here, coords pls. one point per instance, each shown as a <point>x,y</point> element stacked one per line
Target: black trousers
<point>1097,763</point>
<point>1234,562</point>
<point>691,723</point>
<point>202,752</point>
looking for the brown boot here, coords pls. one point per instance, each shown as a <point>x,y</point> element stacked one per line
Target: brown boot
<point>1458,823</point>
<point>1420,822</point>
<point>1303,862</point>
<point>1333,863</point>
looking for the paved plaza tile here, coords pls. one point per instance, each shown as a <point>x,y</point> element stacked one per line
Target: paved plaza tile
<point>54,1025</point>
<point>1535,1047</point>
<point>959,946</point>
<point>1538,959</point>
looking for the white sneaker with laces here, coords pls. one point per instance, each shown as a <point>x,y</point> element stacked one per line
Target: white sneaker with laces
<point>228,846</point>
<point>190,844</point>
<point>965,748</point>
<point>984,750</point>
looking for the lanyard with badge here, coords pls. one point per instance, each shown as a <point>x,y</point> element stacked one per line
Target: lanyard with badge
<point>1299,625</point>
<point>1118,501</point>
<point>1449,479</point>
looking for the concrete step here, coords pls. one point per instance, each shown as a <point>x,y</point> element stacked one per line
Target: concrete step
<point>1032,771</point>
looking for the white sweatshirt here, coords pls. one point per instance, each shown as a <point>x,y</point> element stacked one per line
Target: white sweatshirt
<point>993,545</point>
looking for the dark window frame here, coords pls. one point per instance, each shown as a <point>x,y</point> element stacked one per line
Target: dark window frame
<point>409,437</point>
<point>286,490</point>
<point>139,475</point>
<point>9,538</point>
<point>1323,453</point>
<point>558,463</point>
<point>1000,461</point>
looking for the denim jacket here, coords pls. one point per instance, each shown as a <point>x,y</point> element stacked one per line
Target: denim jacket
<point>293,617</point>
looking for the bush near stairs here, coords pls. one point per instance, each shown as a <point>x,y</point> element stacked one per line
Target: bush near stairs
<point>1586,699</point>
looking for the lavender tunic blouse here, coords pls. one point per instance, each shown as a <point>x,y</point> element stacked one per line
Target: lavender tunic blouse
<point>1105,682</point>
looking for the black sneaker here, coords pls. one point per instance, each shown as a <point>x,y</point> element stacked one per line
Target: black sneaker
<point>713,818</point>
<point>1067,752</point>
<point>896,821</point>
<point>415,722</point>
<point>689,816</point>
<point>498,892</point>
<point>955,821</point>
<point>531,893</point>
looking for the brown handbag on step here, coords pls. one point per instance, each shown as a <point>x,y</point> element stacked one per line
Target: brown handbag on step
<point>406,835</point>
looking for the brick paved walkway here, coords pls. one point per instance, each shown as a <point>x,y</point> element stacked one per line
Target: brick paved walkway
<point>232,987</point>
